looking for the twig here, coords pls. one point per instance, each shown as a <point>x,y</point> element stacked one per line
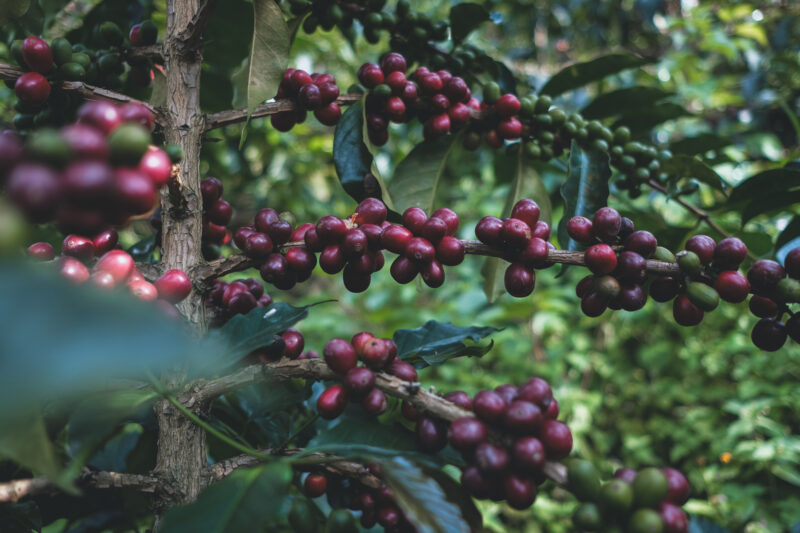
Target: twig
<point>153,52</point>
<point>233,116</point>
<point>422,400</point>
<point>13,491</point>
<point>206,273</point>
<point>90,92</point>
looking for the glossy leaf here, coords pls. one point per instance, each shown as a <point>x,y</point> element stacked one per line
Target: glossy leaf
<point>764,205</point>
<point>686,166</point>
<point>464,18</point>
<point>585,191</point>
<point>269,52</point>
<point>639,122</point>
<point>766,183</point>
<point>247,500</point>
<point>699,144</point>
<point>623,101</point>
<point>436,342</point>
<point>416,178</point>
<point>244,333</point>
<point>422,498</point>
<point>580,74</point>
<point>525,183</point>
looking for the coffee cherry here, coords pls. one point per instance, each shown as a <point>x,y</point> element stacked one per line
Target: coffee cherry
<point>340,355</point>
<point>395,238</point>
<point>332,402</point>
<point>332,259</point>
<point>528,454</point>
<point>489,406</point>
<point>557,439</point>
<point>315,485</point>
<point>211,191</point>
<point>729,253</point>
<point>220,212</point>
<point>537,391</point>
<point>489,231</point>
<point>72,269</point>
<point>301,260</point>
<point>370,75</point>
<point>616,497</point>
<point>438,125</point>
<point>371,211</point>
<point>118,263</point>
<point>143,290</point>
<point>41,251</point>
<point>703,246</point>
<point>402,370</point>
<point>476,483</point>
<point>466,433</point>
<point>631,267</point>
<point>765,274</point>
<point>642,242</point>
<point>600,259</point>
<point>507,106</point>
<point>519,280</point>
<point>374,352</point>
<point>509,128</point>
<point>492,460</point>
<point>157,166</point>
<point>625,474</point>
<point>100,114</point>
<point>173,286</point>
<point>257,245</point>
<point>580,230</point>
<point>664,288</point>
<point>32,88</point>
<point>431,434</point>
<point>519,492</point>
<point>587,517</point>
<point>433,229</point>
<point>763,307</point>
<point>420,250</point>
<point>138,113</point>
<point>732,286</point>
<point>685,312</point>
<point>242,303</point>
<point>649,487</point>
<point>673,518</point>
<point>632,297</point>
<point>404,270</point>
<point>294,343</point>
<point>793,327</point>
<point>328,115</point>
<point>508,392</point>
<point>450,251</point>
<point>414,218</point>
<point>522,417</point>
<point>769,334</point>
<point>606,224</point>
<point>792,263</point>
<point>433,274</point>
<point>689,262</point>
<point>78,247</point>
<point>460,398</point>
<point>678,486</point>
<point>449,217</point>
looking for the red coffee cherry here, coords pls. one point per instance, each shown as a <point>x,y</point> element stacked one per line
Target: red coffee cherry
<point>729,253</point>
<point>765,274</point>
<point>340,355</point>
<point>375,352</point>
<point>395,238</point>
<point>42,251</point>
<point>492,460</point>
<point>509,128</point>
<point>489,231</point>
<point>101,114</point>
<point>476,483</point>
<point>32,88</point>
<point>450,251</point>
<point>433,274</point>
<point>37,54</point>
<point>370,75</point>
<point>420,250</point>
<point>459,115</point>
<point>732,286</point>
<point>600,259</point>
<point>294,343</point>
<point>358,382</point>
<point>507,105</point>
<point>642,242</point>
<point>431,434</point>
<point>519,280</point>
<point>528,455</point>
<point>331,229</point>
<point>438,125</point>
<point>527,211</point>
<point>173,286</point>
<point>156,164</point>
<point>535,253</point>
<point>537,391</point>
<point>359,340</point>
<point>404,270</point>
<point>703,246</point>
<point>450,218</point>
<point>594,304</point>
<point>520,492</point>
<point>332,402</point>
<point>673,518</point>
<point>557,439</point>
<point>515,233</point>
<point>685,312</point>
<point>301,260</point>
<point>430,83</point>
<point>402,370</point>
<point>118,263</point>
<point>466,433</point>
<point>523,418</point>
<point>632,297</point>
<point>541,230</point>
<point>606,224</point>
<point>678,486</point>
<point>433,229</point>
<point>664,288</point>
<point>414,218</point>
<point>315,485</point>
<point>631,267</point>
<point>371,211</point>
<point>257,245</point>
<point>769,334</point>
<point>328,115</point>
<point>78,247</point>
<point>393,62</point>
<point>375,402</point>
<point>489,406</point>
<point>138,113</point>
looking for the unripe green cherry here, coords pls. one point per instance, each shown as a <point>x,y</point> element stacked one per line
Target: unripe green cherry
<point>543,104</point>
<point>588,518</point>
<point>789,289</point>
<point>663,254</point>
<point>622,135</point>
<point>689,262</point>
<point>607,286</point>
<point>649,487</point>
<point>584,480</point>
<point>703,296</point>
<point>62,50</point>
<point>491,92</point>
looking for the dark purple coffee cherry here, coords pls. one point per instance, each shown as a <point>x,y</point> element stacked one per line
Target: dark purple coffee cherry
<point>340,356</point>
<point>402,370</point>
<point>685,312</point>
<point>520,492</point>
<point>450,251</point>
<point>332,259</point>
<point>606,224</point>
<point>537,391</point>
<point>466,433</point>
<point>460,398</point>
<point>489,406</point>
<point>404,270</point>
<point>420,250</point>
<point>769,334</point>
<point>431,434</point>
<point>492,460</point>
<point>642,242</point>
<point>332,402</point>
<point>489,231</point>
<point>433,274</point>
<point>527,211</point>
<point>632,297</point>
<point>765,274</point>
<point>664,288</point>
<point>763,307</point>
<point>528,454</point>
<point>523,418</point>
<point>580,230</point>
<point>375,402</point>
<point>358,382</point>
<point>519,280</point>
<point>354,243</point>
<point>508,392</point>
<point>395,238</point>
<point>703,246</point>
<point>515,233</point>
<point>729,253</point>
<point>450,218</point>
<point>330,229</point>
<point>557,439</point>
<point>414,218</point>
<point>732,286</point>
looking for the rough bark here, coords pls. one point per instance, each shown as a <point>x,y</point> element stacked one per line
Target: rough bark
<point>181,453</point>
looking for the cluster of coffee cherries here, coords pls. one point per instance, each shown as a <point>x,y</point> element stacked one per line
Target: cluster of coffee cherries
<point>230,298</point>
<point>310,92</point>
<point>646,501</point>
<point>441,101</point>
<point>113,269</point>
<point>524,240</point>
<point>217,213</point>
<point>358,382</point>
<point>377,504</point>
<point>87,176</point>
<point>774,287</point>
<point>508,469</point>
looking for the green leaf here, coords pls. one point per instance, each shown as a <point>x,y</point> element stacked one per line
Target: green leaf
<point>92,337</point>
<point>585,191</point>
<point>422,498</point>
<point>269,52</point>
<point>698,525</point>
<point>244,333</point>
<point>686,166</point>
<point>766,183</point>
<point>239,83</point>
<point>580,74</point>
<point>763,205</point>
<point>786,473</point>
<point>526,183</point>
<point>436,342</point>
<point>113,456</point>
<point>623,101</point>
<point>464,18</point>
<point>639,122</point>
<point>417,176</point>
<point>13,9</point>
<point>21,517</point>
<point>24,440</point>
<point>789,233</point>
<point>246,501</point>
<point>699,144</point>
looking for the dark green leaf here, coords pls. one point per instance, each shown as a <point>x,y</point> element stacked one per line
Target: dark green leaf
<point>142,251</point>
<point>699,144</point>
<point>686,166</point>
<point>114,455</point>
<point>789,233</point>
<point>526,183</point>
<point>258,328</point>
<point>456,493</point>
<point>24,440</point>
<point>786,248</point>
<point>417,176</point>
<point>758,242</point>
<point>269,52</point>
<point>698,525</point>
<point>76,339</point>
<point>422,498</point>
<point>464,18</point>
<point>13,9</point>
<point>638,121</point>
<point>246,501</point>
<point>766,183</point>
<point>763,205</point>
<point>585,191</point>
<point>436,342</point>
<point>20,517</point>
<point>623,101</point>
<point>580,74</point>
